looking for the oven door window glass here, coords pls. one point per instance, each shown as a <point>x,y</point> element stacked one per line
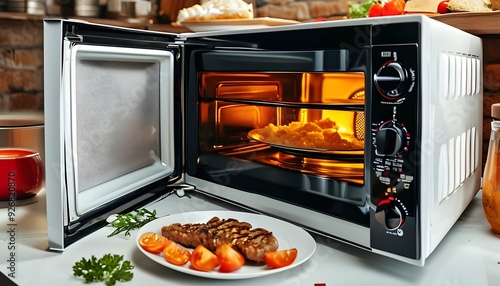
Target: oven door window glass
<point>117,139</point>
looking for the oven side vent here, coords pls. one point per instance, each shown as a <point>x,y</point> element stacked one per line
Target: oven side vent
<point>460,74</point>
<point>458,159</point>
<point>460,77</point>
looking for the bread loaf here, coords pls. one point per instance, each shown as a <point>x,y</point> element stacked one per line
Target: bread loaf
<point>422,6</point>
<point>495,5</point>
<point>468,6</point>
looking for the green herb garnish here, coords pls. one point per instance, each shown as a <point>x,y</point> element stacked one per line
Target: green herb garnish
<point>360,10</point>
<point>107,269</point>
<point>133,220</point>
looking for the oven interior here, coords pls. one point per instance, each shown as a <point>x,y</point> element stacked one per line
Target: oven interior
<point>235,108</point>
<point>293,134</point>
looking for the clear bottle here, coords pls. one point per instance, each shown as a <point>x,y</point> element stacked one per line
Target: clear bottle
<point>491,176</point>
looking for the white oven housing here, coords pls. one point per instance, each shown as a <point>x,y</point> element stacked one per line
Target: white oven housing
<point>116,117</point>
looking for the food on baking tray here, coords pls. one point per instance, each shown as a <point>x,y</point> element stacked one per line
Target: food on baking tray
<point>252,243</point>
<point>216,10</point>
<point>320,134</point>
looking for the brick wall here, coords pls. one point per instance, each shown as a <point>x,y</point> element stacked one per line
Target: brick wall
<point>21,65</point>
<point>302,10</point>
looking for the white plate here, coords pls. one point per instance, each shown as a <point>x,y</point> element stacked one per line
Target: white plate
<point>288,235</point>
<point>234,24</point>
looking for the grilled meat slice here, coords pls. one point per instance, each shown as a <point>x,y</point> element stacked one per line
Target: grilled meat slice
<point>251,243</point>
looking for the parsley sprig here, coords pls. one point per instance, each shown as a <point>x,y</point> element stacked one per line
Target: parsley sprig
<point>132,220</point>
<point>107,269</point>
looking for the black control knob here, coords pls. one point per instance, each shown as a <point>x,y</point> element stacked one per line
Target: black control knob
<point>390,213</point>
<point>389,139</point>
<point>391,79</point>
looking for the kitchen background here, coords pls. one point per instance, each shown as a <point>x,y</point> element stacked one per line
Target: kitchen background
<point>21,41</point>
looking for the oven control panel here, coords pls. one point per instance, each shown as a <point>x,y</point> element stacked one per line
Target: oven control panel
<point>394,129</point>
<point>391,139</point>
<point>392,79</point>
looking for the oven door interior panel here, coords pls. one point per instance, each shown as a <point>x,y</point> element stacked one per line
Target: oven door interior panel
<point>284,124</point>
<point>113,117</point>
<point>114,131</point>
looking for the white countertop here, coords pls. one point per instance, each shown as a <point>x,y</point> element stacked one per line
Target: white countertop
<point>469,255</point>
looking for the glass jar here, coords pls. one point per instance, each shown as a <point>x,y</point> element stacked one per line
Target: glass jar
<point>491,176</point>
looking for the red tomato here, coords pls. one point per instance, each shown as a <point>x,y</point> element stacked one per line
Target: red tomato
<point>376,10</point>
<point>203,259</point>
<point>393,7</point>
<point>176,254</point>
<point>229,259</point>
<point>280,258</point>
<point>403,3</point>
<point>443,7</point>
<point>153,242</point>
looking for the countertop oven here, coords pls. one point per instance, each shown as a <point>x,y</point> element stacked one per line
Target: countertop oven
<point>368,131</point>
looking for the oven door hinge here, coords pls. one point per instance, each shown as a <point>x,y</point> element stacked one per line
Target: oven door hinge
<point>178,49</point>
<point>72,36</point>
<point>180,190</point>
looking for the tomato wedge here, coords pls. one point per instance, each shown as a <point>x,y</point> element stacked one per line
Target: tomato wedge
<point>393,7</point>
<point>376,10</point>
<point>153,242</point>
<point>229,259</point>
<point>280,258</point>
<point>176,254</point>
<point>203,259</point>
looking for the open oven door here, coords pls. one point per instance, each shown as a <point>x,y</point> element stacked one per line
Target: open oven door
<point>112,123</point>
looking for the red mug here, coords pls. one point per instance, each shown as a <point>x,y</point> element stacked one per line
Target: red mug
<point>21,174</point>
